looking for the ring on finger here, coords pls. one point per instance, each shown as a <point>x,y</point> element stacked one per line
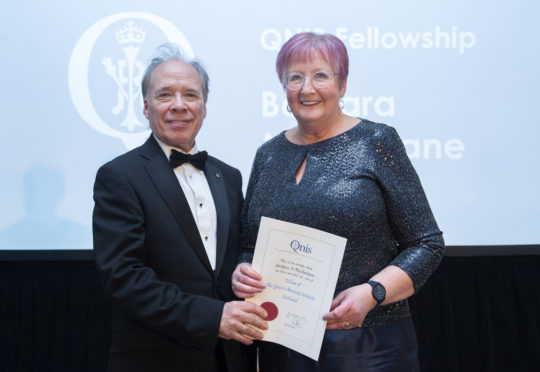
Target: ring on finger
<point>243,328</point>
<point>346,324</point>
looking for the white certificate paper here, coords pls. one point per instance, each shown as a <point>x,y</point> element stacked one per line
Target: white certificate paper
<point>300,267</point>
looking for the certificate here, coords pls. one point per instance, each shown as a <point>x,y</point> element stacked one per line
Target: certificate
<point>300,267</point>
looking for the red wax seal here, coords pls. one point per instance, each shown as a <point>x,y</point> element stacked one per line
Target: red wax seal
<point>271,309</point>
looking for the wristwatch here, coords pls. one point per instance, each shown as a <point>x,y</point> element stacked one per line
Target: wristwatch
<point>377,291</point>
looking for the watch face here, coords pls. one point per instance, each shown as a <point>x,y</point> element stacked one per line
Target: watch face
<point>378,292</point>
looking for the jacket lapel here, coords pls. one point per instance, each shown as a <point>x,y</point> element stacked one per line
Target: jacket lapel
<point>167,184</point>
<point>219,194</point>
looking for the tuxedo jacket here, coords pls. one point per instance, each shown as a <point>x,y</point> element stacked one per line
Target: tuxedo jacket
<point>167,300</point>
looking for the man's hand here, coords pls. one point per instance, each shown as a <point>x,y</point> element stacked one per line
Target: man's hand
<point>237,319</point>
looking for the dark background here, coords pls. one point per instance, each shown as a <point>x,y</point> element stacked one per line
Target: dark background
<point>480,311</point>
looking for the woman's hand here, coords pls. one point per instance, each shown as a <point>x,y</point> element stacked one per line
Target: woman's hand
<point>246,282</point>
<point>350,307</point>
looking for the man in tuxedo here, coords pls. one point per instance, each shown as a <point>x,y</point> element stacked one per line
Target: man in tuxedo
<point>166,234</point>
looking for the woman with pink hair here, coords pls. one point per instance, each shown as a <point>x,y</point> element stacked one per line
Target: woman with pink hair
<point>350,177</point>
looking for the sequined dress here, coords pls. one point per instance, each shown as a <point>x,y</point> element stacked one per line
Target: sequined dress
<point>360,185</point>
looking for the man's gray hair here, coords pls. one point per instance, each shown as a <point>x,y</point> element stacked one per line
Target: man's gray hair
<point>170,52</point>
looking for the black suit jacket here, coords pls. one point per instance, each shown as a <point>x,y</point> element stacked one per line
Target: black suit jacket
<point>167,301</point>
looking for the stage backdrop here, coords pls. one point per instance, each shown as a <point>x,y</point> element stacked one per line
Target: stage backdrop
<point>458,80</point>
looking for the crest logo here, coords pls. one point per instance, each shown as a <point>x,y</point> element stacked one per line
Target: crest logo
<point>106,68</point>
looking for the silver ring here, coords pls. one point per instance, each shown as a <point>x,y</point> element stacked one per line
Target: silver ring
<point>346,324</point>
<point>243,327</point>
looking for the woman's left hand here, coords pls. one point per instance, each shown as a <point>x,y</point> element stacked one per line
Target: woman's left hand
<point>350,307</point>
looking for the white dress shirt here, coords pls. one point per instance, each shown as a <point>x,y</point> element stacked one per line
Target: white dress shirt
<point>200,200</point>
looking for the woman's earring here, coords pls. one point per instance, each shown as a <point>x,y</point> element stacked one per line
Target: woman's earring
<point>289,109</point>
<point>341,104</point>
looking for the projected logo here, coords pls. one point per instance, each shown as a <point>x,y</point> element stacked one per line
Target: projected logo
<point>106,68</point>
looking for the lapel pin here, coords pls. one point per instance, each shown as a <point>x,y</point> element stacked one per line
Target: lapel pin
<point>217,175</point>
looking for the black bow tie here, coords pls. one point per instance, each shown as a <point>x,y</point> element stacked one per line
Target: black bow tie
<point>178,158</point>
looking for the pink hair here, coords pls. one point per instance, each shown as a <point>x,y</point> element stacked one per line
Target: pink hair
<point>302,47</point>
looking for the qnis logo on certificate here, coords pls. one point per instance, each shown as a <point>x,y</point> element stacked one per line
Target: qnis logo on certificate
<point>298,247</point>
<point>106,68</point>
